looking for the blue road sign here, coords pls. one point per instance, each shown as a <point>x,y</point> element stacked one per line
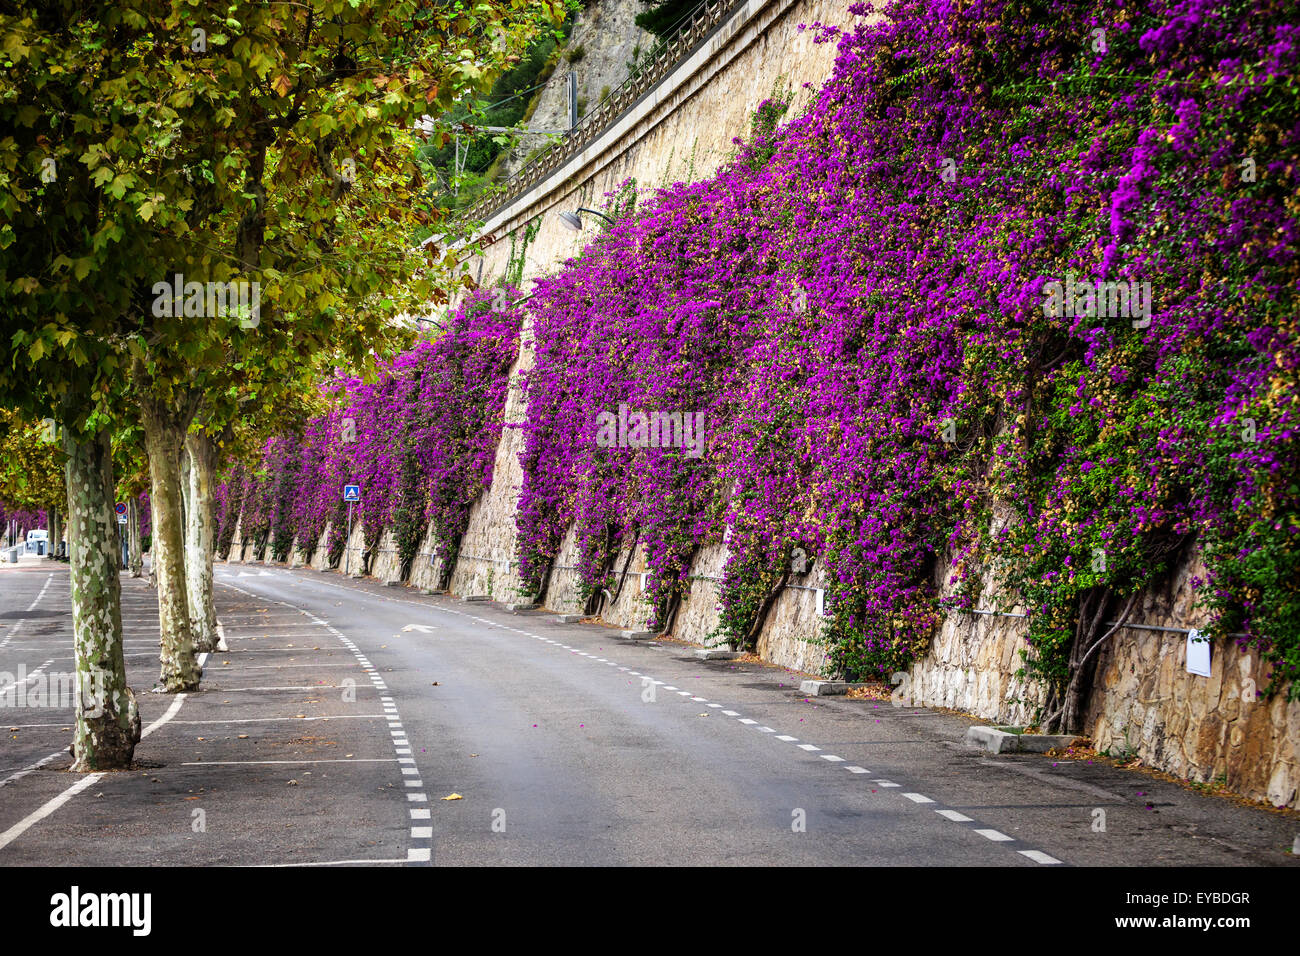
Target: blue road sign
<point>120,507</point>
<point>351,492</point>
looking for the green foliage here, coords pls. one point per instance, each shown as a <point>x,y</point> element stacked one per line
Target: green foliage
<point>664,16</point>
<point>31,466</point>
<point>508,103</point>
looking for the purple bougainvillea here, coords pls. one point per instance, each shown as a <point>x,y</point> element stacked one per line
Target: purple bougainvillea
<point>1013,300</point>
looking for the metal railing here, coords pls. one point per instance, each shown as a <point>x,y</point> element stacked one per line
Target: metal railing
<point>657,64</point>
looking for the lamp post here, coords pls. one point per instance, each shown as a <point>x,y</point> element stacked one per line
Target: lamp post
<point>573,221</point>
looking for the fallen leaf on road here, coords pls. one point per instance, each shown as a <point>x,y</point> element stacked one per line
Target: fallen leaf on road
<point>300,715</point>
<point>243,736</point>
<point>701,715</point>
<point>453,796</point>
<point>434,684</point>
<point>293,783</point>
<point>473,755</point>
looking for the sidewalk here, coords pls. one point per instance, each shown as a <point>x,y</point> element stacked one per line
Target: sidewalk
<point>283,756</point>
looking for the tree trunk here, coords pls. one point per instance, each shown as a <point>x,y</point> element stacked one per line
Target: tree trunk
<point>164,437</point>
<point>134,540</point>
<point>199,540</point>
<point>55,534</point>
<point>108,721</point>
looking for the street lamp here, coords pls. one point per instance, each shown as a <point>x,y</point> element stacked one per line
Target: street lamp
<point>573,221</point>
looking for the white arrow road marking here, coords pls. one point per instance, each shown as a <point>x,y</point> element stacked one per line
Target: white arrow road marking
<point>422,628</point>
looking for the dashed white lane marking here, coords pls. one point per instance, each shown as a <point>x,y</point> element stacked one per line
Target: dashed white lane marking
<point>1038,856</point>
<point>415,854</point>
<point>994,835</point>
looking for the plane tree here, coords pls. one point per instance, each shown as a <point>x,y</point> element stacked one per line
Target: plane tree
<point>146,140</point>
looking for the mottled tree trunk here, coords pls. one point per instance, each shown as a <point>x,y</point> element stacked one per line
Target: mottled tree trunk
<point>134,540</point>
<point>108,722</point>
<point>164,438</point>
<point>56,535</point>
<point>199,539</point>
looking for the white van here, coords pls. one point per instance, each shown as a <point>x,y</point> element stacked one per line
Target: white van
<point>39,535</point>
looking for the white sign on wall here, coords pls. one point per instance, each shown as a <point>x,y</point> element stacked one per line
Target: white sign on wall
<point>1198,654</point>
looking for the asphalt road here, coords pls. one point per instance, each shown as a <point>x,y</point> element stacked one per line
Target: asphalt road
<point>346,713</point>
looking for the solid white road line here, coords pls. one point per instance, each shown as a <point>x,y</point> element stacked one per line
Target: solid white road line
<point>25,824</point>
<point>215,763</point>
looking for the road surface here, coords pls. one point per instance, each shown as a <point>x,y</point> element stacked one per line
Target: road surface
<point>346,714</point>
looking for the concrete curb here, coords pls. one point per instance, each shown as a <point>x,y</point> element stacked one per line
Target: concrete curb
<point>715,654</point>
<point>998,741</point>
<point>827,688</point>
<point>516,608</point>
<point>474,598</point>
<point>568,618</point>
<point>637,635</point>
